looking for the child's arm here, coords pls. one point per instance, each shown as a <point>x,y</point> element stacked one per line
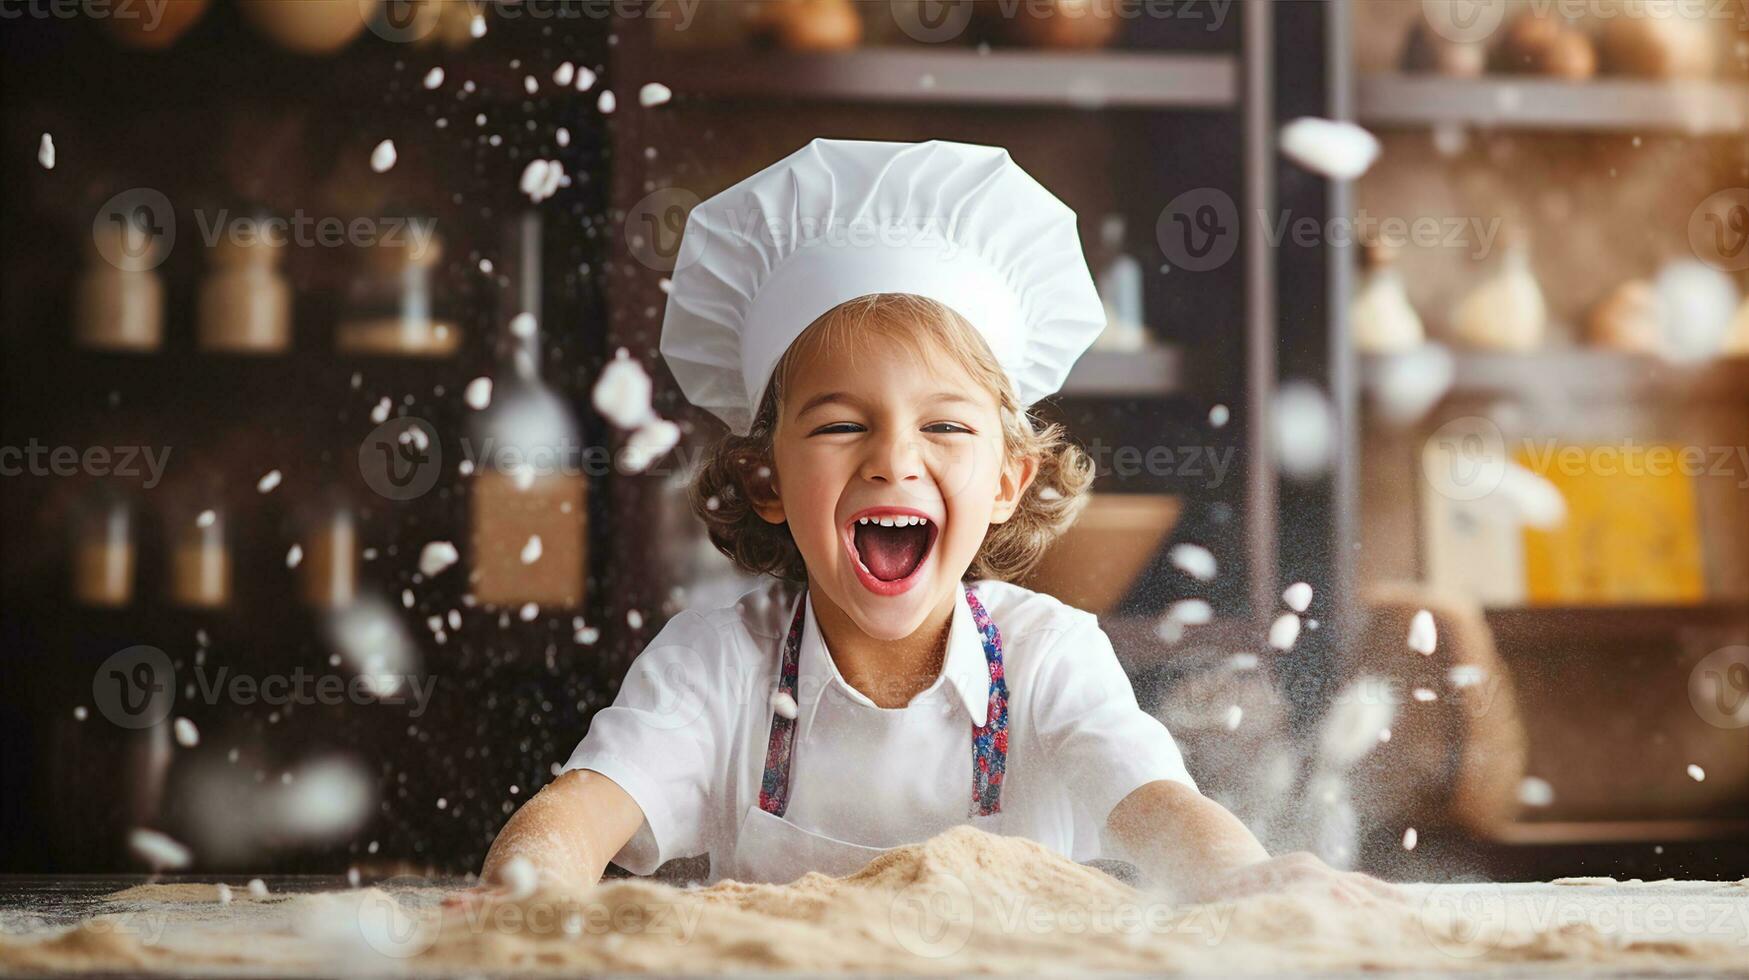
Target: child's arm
<point>1192,845</point>
<point>569,831</point>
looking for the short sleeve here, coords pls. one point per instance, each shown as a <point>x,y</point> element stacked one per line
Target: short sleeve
<point>1102,745</point>
<point>662,741</point>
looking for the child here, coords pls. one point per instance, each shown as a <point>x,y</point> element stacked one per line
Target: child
<point>872,321</point>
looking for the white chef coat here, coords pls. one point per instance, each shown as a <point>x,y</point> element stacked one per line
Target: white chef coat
<point>688,733</point>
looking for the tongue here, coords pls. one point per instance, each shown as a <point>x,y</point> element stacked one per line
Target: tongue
<point>891,553</point>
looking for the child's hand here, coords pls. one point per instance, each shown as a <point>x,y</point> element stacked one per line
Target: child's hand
<point>1298,874</point>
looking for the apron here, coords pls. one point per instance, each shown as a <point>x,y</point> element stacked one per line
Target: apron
<point>769,848</point>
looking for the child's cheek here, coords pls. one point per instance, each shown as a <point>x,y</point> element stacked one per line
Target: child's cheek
<point>962,472</point>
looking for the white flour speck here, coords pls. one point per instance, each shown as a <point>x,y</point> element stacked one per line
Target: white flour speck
<point>622,393</point>
<point>1194,560</point>
<point>649,443</point>
<point>1338,150</point>
<point>478,394</point>
<point>383,157</point>
<point>784,704</point>
<point>436,556</point>
<point>1423,635</point>
<point>1298,597</point>
<point>1284,632</point>
<point>158,850</point>
<point>1535,792</point>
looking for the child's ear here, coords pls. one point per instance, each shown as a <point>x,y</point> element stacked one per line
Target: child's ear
<point>759,481</point>
<point>1017,474</point>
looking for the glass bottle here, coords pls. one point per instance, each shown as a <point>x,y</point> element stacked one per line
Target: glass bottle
<point>528,488</point>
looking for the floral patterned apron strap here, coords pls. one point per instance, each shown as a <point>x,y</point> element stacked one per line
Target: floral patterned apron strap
<point>990,740</point>
<point>774,786</point>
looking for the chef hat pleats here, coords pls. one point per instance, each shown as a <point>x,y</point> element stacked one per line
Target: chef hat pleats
<point>838,219</point>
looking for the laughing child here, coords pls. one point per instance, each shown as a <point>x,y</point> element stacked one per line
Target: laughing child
<point>872,321</point>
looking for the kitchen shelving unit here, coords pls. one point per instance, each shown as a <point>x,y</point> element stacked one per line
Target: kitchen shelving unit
<point>1577,664</point>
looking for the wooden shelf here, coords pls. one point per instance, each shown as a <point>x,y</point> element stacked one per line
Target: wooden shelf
<point>1154,371</point>
<point>1519,625</point>
<point>1609,105</point>
<point>1590,375</point>
<point>1096,80</point>
<point>1527,832</point>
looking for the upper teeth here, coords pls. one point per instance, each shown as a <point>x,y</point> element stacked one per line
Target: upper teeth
<point>901,520</point>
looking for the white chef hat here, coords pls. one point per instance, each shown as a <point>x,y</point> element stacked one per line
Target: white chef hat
<point>838,219</point>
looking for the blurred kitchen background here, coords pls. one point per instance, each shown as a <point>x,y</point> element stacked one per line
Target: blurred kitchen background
<point>1489,400</point>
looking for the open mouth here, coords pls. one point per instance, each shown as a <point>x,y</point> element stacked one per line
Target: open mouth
<point>888,547</point>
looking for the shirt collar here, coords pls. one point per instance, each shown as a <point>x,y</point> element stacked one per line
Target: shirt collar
<point>964,668</point>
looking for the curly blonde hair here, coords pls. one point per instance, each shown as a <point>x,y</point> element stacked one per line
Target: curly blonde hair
<point>720,489</point>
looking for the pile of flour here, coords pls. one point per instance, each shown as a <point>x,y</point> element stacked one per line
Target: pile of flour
<point>966,901</point>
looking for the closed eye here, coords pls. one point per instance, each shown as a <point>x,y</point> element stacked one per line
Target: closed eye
<point>836,428</point>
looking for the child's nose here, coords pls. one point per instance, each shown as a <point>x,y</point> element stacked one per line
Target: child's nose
<point>892,459</point>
